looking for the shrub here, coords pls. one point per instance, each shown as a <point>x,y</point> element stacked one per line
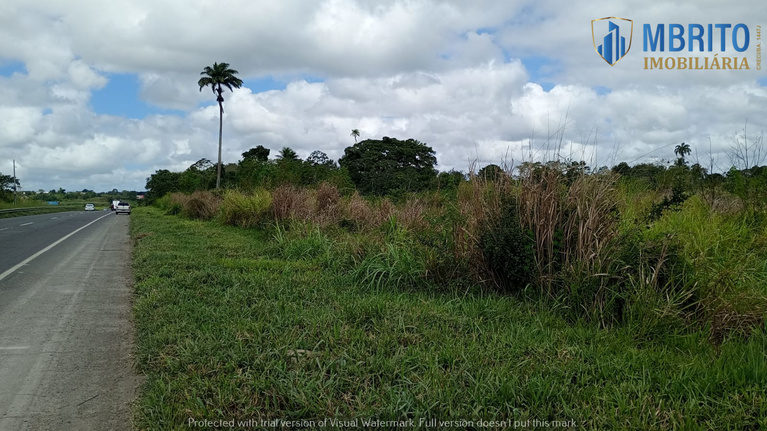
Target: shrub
<point>508,249</point>
<point>164,203</point>
<point>669,203</point>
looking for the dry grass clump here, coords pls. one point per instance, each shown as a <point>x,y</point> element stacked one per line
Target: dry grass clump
<point>178,198</point>
<point>479,205</point>
<point>201,205</point>
<point>327,204</point>
<point>729,317</point>
<point>726,203</point>
<point>411,214</point>
<point>590,222</point>
<point>293,203</point>
<point>359,212</point>
<point>541,200</point>
<point>383,211</point>
<point>176,202</point>
<point>573,224</point>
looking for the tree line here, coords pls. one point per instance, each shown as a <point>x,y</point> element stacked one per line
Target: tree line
<point>385,166</point>
<point>391,166</point>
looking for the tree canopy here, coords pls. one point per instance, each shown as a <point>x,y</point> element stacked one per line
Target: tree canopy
<point>259,153</point>
<point>386,165</point>
<point>287,153</point>
<point>7,184</point>
<point>319,158</point>
<point>217,77</point>
<point>491,172</point>
<point>161,182</point>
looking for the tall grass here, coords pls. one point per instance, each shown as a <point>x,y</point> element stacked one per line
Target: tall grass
<point>226,330</point>
<point>584,243</point>
<point>246,210</point>
<point>201,205</point>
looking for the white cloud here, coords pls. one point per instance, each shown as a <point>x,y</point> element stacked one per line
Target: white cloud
<point>17,125</point>
<point>444,72</point>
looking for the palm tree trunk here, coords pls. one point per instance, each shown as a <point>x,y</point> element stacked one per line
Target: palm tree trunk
<point>220,135</point>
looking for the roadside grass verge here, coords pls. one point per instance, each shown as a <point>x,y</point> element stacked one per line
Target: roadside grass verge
<point>230,326</point>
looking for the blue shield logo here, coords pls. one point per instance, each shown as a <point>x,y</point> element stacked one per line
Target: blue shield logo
<point>609,36</point>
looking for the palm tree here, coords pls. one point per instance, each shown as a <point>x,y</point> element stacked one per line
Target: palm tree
<point>682,150</point>
<point>287,153</point>
<point>355,134</point>
<point>217,76</point>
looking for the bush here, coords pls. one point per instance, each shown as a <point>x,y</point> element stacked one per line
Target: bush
<point>509,250</point>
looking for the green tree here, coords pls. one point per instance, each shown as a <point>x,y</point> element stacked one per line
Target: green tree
<point>317,168</point>
<point>287,153</point>
<point>160,183</point>
<point>491,172</point>
<point>318,158</point>
<point>253,172</point>
<point>622,168</point>
<point>387,165</point>
<point>450,180</point>
<point>681,151</point>
<point>7,185</point>
<point>217,77</point>
<point>199,176</point>
<point>259,153</point>
<point>355,134</point>
<point>289,168</point>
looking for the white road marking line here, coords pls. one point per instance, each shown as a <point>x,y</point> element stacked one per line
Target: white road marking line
<point>27,224</point>
<point>36,255</point>
<point>14,348</point>
<point>5,228</point>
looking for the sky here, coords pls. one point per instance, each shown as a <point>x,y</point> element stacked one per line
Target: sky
<point>99,95</point>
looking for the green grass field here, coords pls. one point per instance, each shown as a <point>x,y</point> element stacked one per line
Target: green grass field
<point>232,326</point>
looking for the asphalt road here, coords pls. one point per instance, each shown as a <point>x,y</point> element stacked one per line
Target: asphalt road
<point>65,330</point>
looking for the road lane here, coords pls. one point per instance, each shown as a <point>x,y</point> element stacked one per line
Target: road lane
<point>21,237</point>
<point>65,333</point>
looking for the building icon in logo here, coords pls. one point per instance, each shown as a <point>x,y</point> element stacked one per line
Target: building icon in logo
<point>613,44</point>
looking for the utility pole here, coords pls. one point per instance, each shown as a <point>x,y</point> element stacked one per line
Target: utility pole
<point>14,182</point>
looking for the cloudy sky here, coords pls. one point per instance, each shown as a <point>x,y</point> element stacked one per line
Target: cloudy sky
<point>100,94</point>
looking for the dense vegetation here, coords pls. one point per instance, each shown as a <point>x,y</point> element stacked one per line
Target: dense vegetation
<point>649,282</point>
<point>7,185</point>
